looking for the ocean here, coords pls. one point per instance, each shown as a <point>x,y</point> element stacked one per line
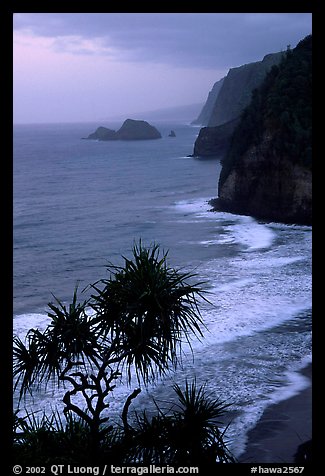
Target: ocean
<point>79,205</point>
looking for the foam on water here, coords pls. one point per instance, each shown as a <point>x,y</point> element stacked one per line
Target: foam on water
<point>263,286</point>
<point>251,234</point>
<point>225,326</point>
<point>195,206</point>
<point>263,289</point>
<point>24,322</point>
<point>245,355</point>
<point>292,384</point>
<point>238,435</point>
<point>239,363</point>
<point>258,274</point>
<point>237,229</point>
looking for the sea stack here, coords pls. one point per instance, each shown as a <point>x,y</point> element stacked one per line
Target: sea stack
<point>131,129</point>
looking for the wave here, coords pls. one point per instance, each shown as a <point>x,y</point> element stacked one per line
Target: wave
<point>258,319</point>
<point>293,383</point>
<point>225,325</point>
<point>195,205</point>
<point>288,383</point>
<point>254,296</point>
<point>22,323</point>
<point>258,287</point>
<point>252,235</point>
<point>248,372</point>
<point>236,229</point>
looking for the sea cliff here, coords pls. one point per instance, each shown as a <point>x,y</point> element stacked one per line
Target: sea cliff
<point>267,171</point>
<point>267,185</point>
<point>205,114</point>
<point>236,91</point>
<point>226,102</point>
<point>214,141</point>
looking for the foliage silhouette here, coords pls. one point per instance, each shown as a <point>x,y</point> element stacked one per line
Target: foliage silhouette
<point>133,324</point>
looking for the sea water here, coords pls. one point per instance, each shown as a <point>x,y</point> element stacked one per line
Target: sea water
<point>79,205</point>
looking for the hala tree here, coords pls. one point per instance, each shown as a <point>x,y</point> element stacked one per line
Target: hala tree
<point>134,322</point>
<point>187,434</point>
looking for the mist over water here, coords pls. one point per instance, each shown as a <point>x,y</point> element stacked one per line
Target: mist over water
<point>81,204</point>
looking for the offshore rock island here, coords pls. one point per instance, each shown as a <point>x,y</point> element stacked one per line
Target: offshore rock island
<point>131,129</point>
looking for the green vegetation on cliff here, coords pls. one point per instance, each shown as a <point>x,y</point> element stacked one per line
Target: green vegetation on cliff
<point>281,107</point>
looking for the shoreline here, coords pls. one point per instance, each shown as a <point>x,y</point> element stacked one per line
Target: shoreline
<point>219,205</point>
<point>282,428</point>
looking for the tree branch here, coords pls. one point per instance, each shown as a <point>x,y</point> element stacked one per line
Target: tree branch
<point>127,404</point>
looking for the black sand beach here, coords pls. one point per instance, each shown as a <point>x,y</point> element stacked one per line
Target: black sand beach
<point>282,428</point>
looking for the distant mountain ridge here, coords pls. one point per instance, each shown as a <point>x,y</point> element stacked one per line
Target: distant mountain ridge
<point>183,114</point>
<point>206,112</point>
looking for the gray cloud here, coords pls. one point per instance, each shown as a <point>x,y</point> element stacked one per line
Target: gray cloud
<point>201,40</point>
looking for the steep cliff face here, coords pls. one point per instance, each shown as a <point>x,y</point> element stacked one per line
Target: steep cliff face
<point>266,185</point>
<point>214,141</point>
<point>267,170</point>
<point>236,91</point>
<point>205,114</point>
<point>222,110</point>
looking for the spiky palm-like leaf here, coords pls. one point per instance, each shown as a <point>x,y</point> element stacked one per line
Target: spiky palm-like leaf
<point>75,332</point>
<point>190,435</point>
<point>200,416</point>
<point>26,361</point>
<point>147,309</point>
<point>197,405</point>
<point>142,314</point>
<point>72,336</point>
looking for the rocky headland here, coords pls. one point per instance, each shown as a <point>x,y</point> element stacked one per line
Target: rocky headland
<point>267,185</point>
<point>206,112</point>
<point>131,129</point>
<point>267,170</point>
<point>226,102</point>
<point>214,141</point>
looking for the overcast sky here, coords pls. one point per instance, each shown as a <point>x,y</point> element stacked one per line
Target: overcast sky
<point>76,67</point>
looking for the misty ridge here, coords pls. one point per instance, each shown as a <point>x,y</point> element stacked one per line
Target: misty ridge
<point>135,65</point>
<point>182,114</point>
<point>256,127</point>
